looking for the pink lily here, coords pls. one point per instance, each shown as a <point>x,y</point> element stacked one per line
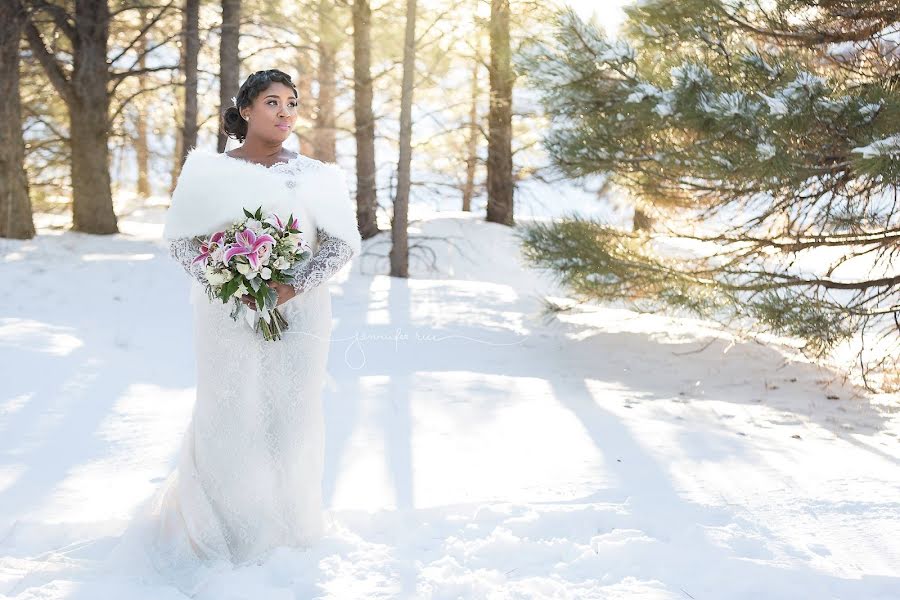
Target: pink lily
<point>275,221</point>
<point>208,246</point>
<point>248,244</point>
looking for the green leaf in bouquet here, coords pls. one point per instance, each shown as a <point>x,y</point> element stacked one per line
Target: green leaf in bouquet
<point>255,283</point>
<point>248,213</point>
<point>271,296</point>
<point>230,287</point>
<point>260,296</point>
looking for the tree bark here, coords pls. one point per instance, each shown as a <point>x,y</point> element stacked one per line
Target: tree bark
<point>324,133</point>
<point>229,61</point>
<point>141,143</point>
<point>499,161</point>
<point>474,132</point>
<point>191,46</point>
<point>15,205</point>
<point>307,108</point>
<point>366,191</point>
<point>92,204</point>
<point>399,254</point>
<point>86,95</point>
<point>178,156</point>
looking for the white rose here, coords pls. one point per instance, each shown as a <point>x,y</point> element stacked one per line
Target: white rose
<point>265,273</point>
<point>282,263</point>
<point>253,224</point>
<point>217,277</point>
<point>243,268</point>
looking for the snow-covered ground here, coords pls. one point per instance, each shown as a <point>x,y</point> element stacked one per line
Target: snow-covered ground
<point>474,448</point>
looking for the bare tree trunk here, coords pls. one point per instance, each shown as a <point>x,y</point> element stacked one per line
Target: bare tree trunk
<point>178,154</point>
<point>474,132</point>
<point>306,108</point>
<point>324,134</point>
<point>92,205</point>
<point>399,255</point>
<point>366,192</point>
<point>86,95</point>
<point>499,162</point>
<point>191,49</point>
<point>141,143</point>
<point>229,61</point>
<point>15,205</point>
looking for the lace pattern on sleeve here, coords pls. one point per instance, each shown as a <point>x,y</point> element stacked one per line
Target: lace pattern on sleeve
<point>333,253</point>
<point>184,251</point>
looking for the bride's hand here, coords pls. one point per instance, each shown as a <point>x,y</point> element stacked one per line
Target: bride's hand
<point>285,292</point>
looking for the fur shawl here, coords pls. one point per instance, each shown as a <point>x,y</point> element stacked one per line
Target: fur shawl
<point>213,189</point>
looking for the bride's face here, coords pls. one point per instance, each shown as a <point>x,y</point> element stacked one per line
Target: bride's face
<point>272,113</point>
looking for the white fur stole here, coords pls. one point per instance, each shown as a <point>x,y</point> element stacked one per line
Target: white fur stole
<point>213,189</point>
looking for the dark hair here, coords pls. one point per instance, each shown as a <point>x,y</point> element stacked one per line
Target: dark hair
<point>233,123</point>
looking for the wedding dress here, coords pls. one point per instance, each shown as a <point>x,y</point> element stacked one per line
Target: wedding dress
<point>250,466</point>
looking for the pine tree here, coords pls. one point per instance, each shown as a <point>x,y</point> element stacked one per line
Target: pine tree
<point>764,139</point>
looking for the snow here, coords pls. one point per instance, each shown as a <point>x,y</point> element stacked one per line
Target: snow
<point>869,110</point>
<point>889,146</point>
<point>474,448</point>
<point>642,91</point>
<point>803,86</point>
<point>664,109</point>
<point>688,73</point>
<point>765,150</point>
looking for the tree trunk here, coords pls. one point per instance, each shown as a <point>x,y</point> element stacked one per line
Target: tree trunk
<point>15,205</point>
<point>306,108</point>
<point>141,143</point>
<point>366,192</point>
<point>229,61</point>
<point>399,255</point>
<point>92,204</point>
<point>474,132</point>
<point>499,162</point>
<point>323,136</point>
<point>191,49</point>
<point>178,157</point>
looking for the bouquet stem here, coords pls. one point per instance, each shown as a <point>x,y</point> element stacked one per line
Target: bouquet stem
<point>272,325</point>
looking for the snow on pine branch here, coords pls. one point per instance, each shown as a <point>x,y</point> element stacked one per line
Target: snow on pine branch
<point>889,146</point>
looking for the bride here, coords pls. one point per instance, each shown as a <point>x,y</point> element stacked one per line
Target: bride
<point>249,472</point>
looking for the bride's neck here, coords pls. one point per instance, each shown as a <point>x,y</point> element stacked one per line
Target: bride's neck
<point>260,151</point>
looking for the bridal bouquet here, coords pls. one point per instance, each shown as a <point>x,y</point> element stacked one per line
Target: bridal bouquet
<point>245,257</point>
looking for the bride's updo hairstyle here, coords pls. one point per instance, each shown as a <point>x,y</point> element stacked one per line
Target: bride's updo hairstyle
<point>233,123</point>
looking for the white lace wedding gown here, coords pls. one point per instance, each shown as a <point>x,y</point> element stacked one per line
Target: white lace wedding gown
<point>249,473</point>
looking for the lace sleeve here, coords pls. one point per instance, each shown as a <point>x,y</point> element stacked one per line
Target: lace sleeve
<point>333,253</point>
<point>184,251</point>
